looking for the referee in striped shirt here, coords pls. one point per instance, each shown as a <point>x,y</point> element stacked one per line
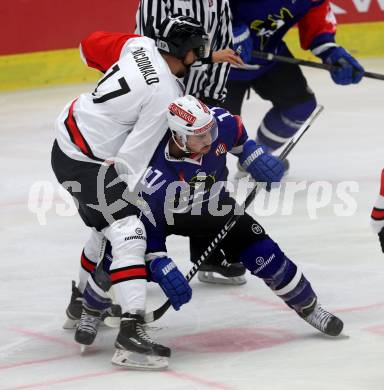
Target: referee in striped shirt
<point>205,81</point>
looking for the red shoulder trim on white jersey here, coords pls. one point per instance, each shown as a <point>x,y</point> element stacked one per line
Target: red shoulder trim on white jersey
<point>101,49</point>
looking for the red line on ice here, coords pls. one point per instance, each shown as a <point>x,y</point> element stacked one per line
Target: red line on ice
<point>201,381</point>
<point>275,305</point>
<point>66,380</point>
<point>359,308</point>
<point>379,329</point>
<point>40,361</point>
<point>41,336</point>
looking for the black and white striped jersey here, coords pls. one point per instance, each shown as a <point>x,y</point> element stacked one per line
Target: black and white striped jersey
<point>204,80</point>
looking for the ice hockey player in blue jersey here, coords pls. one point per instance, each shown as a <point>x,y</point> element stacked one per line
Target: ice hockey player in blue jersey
<point>183,194</point>
<point>260,25</point>
<point>191,165</point>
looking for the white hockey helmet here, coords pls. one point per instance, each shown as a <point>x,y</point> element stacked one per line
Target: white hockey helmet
<point>189,116</point>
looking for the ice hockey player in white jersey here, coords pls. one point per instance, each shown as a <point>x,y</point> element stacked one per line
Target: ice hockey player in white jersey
<point>377,215</point>
<point>101,50</point>
<point>104,142</point>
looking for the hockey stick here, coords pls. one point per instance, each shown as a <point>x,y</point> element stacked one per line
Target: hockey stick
<point>296,61</point>
<point>156,314</point>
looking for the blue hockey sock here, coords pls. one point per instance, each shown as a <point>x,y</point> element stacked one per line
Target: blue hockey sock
<point>265,259</point>
<point>280,124</point>
<point>94,297</point>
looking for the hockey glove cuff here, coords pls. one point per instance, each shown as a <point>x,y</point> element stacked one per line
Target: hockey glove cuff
<point>347,69</point>
<point>262,166</point>
<point>165,272</point>
<point>242,42</point>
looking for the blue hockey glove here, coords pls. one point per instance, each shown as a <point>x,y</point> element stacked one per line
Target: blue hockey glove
<point>163,271</point>
<point>261,165</point>
<point>348,70</point>
<point>242,42</point>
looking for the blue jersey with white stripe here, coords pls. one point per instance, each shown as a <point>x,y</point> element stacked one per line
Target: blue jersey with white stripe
<point>181,185</point>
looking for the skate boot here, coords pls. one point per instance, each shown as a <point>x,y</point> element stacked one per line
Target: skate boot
<point>135,349</point>
<point>222,272</point>
<point>74,308</point>
<point>321,319</point>
<point>88,326</point>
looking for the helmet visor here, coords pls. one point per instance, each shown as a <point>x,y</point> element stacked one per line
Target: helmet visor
<point>201,46</point>
<point>207,134</point>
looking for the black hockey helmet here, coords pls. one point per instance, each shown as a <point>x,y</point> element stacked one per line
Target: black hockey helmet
<point>177,35</point>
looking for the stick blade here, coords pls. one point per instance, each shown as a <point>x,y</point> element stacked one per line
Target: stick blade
<point>139,361</point>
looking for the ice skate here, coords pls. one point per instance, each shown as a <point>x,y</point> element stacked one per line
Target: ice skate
<point>88,326</point>
<point>222,273</point>
<point>135,348</point>
<point>322,320</point>
<point>74,308</point>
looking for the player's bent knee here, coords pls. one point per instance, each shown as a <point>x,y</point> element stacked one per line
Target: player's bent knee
<point>300,111</point>
<point>128,239</point>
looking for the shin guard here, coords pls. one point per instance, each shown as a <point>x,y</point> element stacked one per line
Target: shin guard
<point>281,124</point>
<point>265,260</point>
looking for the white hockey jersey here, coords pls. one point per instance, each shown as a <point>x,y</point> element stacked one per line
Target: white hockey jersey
<point>124,118</point>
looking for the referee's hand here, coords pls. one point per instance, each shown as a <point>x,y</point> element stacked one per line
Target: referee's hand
<point>227,55</point>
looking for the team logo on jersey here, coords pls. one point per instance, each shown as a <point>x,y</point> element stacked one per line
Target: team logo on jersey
<point>221,149</point>
<point>266,28</point>
<point>200,178</point>
<point>198,186</point>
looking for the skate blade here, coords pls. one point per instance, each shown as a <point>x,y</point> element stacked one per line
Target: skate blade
<point>70,324</point>
<point>215,278</point>
<point>83,349</point>
<point>139,361</point>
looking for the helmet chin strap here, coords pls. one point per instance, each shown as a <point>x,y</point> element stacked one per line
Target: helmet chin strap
<point>181,147</point>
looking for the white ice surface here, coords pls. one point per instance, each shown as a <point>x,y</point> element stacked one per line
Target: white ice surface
<point>227,338</point>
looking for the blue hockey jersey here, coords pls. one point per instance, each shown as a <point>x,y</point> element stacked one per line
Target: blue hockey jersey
<point>174,185</point>
<point>269,20</point>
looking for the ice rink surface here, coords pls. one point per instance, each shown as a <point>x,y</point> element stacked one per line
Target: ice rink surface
<point>228,338</point>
